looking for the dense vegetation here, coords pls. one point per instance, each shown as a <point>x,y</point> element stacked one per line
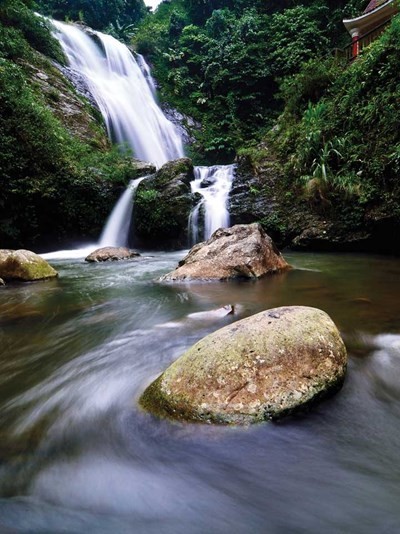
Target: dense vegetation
<point>258,76</point>
<point>338,136</point>
<point>54,185</point>
<point>223,66</point>
<point>117,17</point>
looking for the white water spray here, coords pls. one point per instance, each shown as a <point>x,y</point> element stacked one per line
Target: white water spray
<point>214,184</point>
<point>124,92</point>
<point>116,230</point>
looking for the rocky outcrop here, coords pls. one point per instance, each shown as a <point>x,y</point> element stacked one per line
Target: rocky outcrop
<point>185,125</point>
<point>24,265</point>
<point>263,367</point>
<point>77,112</point>
<point>163,204</point>
<point>253,196</point>
<point>243,251</point>
<point>262,193</point>
<point>111,254</point>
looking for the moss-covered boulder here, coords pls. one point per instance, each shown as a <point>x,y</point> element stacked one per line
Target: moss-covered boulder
<point>242,251</point>
<point>162,207</point>
<point>111,254</point>
<point>263,367</point>
<point>24,265</point>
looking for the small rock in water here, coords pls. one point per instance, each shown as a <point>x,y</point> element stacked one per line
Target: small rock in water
<point>207,182</point>
<point>253,370</point>
<point>111,254</point>
<point>220,312</point>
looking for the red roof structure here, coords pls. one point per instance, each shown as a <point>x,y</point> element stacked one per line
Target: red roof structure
<point>373,5</point>
<point>367,27</point>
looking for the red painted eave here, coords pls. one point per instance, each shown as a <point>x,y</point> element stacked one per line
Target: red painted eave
<point>372,18</point>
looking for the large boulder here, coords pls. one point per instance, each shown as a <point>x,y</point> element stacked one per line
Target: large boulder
<point>242,251</point>
<point>263,367</point>
<point>163,204</point>
<point>111,254</point>
<point>24,265</point>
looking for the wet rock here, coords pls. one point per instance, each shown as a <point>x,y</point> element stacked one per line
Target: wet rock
<point>163,204</point>
<point>111,254</point>
<point>2,283</point>
<point>254,196</point>
<point>206,183</point>
<point>264,367</point>
<point>186,125</point>
<point>24,265</point>
<point>243,251</point>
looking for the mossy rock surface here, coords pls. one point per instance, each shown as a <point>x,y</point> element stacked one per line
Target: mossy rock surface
<point>260,368</point>
<point>24,265</point>
<point>163,204</point>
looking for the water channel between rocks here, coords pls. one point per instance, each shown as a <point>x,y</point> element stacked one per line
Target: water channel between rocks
<point>78,455</point>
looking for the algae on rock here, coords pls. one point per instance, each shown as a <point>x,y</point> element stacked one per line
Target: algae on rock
<point>263,367</point>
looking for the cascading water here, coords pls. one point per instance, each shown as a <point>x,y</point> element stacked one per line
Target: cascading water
<point>116,230</point>
<point>214,184</point>
<point>123,93</point>
<point>147,73</point>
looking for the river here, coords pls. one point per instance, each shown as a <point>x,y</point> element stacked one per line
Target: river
<point>78,455</point>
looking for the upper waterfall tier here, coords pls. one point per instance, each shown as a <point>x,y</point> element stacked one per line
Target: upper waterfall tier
<point>123,94</point>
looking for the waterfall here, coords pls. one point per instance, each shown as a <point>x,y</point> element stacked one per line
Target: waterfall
<point>124,92</point>
<point>116,229</point>
<point>213,184</point>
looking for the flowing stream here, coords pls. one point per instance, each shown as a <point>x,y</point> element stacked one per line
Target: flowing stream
<point>78,455</point>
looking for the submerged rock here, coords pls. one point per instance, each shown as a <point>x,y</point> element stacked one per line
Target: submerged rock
<point>260,368</point>
<point>111,254</point>
<point>24,265</point>
<point>243,251</point>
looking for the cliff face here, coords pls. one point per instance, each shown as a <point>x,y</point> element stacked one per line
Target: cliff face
<point>262,193</point>
<point>69,99</point>
<point>77,112</point>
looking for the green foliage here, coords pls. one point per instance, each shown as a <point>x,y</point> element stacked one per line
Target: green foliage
<point>274,224</point>
<point>99,14</point>
<point>53,186</point>
<point>20,28</point>
<point>219,61</point>
<point>345,141</point>
<point>155,220</point>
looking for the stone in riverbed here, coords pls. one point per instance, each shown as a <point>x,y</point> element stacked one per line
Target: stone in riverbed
<point>263,367</point>
<point>242,251</point>
<point>24,265</point>
<point>111,254</point>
